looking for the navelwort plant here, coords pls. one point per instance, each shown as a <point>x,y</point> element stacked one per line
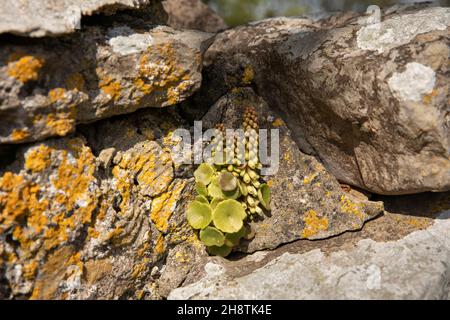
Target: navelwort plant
<point>229,189</point>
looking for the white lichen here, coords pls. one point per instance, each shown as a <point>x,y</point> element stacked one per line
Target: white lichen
<point>124,41</point>
<point>401,29</point>
<point>413,83</point>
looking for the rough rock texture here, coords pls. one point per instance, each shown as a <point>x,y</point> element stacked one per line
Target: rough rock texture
<point>38,18</point>
<point>49,85</point>
<point>369,100</point>
<point>308,202</point>
<point>194,15</point>
<point>397,256</point>
<point>95,218</point>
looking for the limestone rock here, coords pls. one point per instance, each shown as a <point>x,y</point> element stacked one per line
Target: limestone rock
<point>369,100</point>
<point>39,18</point>
<point>394,257</point>
<point>74,225</point>
<point>47,86</point>
<point>194,15</point>
<point>307,202</point>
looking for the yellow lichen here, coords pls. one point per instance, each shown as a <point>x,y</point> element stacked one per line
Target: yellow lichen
<point>25,68</point>
<point>75,81</point>
<point>160,245</point>
<point>309,178</point>
<point>38,158</point>
<point>111,87</point>
<point>164,206</point>
<point>313,224</point>
<point>56,95</point>
<point>160,72</point>
<point>19,134</point>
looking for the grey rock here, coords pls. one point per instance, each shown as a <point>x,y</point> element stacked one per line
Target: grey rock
<point>48,86</point>
<point>39,18</point>
<point>369,100</point>
<point>413,267</point>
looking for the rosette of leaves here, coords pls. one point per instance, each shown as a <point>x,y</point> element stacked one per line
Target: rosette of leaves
<point>228,189</point>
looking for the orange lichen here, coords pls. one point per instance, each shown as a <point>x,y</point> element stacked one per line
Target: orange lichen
<point>347,206</point>
<point>278,122</point>
<point>308,179</point>
<point>25,68</point>
<point>41,221</point>
<point>164,206</point>
<point>313,224</point>
<point>60,124</point>
<point>19,134</point>
<point>38,158</point>
<point>111,87</point>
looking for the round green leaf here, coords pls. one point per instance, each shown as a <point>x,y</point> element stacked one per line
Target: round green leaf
<point>210,236</point>
<point>264,195</point>
<point>199,215</point>
<point>228,216</point>
<point>228,181</point>
<point>204,173</point>
<point>222,251</point>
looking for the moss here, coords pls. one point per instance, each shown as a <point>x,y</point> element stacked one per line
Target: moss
<point>25,69</point>
<point>313,224</point>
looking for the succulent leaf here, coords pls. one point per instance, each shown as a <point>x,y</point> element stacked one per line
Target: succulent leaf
<point>214,189</point>
<point>199,215</point>
<point>204,173</point>
<point>228,216</point>
<point>215,202</point>
<point>201,199</point>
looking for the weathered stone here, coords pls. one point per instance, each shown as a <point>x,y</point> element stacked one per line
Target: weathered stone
<point>393,257</point>
<point>194,15</point>
<point>307,202</point>
<point>47,86</point>
<point>369,100</point>
<point>77,226</point>
<point>39,18</point>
